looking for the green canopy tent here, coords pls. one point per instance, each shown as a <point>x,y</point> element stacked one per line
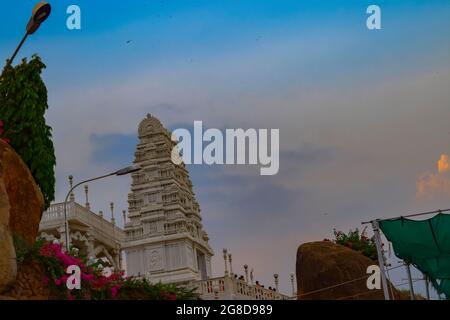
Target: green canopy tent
<point>424,244</point>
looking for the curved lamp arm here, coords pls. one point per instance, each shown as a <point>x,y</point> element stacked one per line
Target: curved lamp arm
<point>121,172</point>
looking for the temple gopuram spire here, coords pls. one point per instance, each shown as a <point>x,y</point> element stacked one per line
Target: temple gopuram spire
<point>165,239</point>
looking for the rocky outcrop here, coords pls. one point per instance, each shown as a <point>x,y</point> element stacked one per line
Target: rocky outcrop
<point>325,264</point>
<point>8,266</point>
<point>21,206</point>
<point>25,216</point>
<point>30,284</point>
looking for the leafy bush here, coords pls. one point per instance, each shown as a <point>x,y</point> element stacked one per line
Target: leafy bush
<point>136,289</point>
<point>358,242</point>
<point>95,285</point>
<point>23,102</point>
<point>2,133</point>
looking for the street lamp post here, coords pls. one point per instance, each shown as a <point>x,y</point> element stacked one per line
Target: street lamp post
<point>120,172</point>
<point>39,14</point>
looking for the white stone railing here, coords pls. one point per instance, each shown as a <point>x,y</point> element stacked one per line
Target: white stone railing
<point>55,214</point>
<point>230,288</point>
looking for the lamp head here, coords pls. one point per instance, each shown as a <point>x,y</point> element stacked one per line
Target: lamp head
<point>128,170</point>
<point>39,14</point>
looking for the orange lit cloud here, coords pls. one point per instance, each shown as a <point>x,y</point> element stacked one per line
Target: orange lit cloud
<point>434,184</point>
<point>443,164</point>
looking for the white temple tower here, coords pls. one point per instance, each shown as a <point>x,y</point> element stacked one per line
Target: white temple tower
<point>164,237</point>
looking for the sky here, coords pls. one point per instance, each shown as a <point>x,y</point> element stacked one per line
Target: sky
<point>363,114</point>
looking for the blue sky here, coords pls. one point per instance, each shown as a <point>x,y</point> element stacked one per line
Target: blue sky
<point>363,115</point>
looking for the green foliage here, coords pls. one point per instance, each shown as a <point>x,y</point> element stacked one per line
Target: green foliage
<point>23,102</point>
<point>358,242</point>
<point>140,289</point>
<point>95,285</point>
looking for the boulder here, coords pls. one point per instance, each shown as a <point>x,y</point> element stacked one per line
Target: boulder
<point>8,266</point>
<point>21,206</point>
<point>30,284</point>
<point>25,216</point>
<point>325,264</point>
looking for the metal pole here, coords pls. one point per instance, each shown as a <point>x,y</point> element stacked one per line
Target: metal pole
<point>390,285</point>
<point>10,61</point>
<point>66,222</point>
<point>427,286</point>
<point>40,13</point>
<point>411,215</point>
<point>411,288</point>
<point>376,231</point>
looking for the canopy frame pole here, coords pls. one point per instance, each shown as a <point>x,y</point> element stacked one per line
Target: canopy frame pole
<point>376,231</point>
<point>411,288</point>
<point>427,286</point>
<point>411,215</point>
<point>390,285</point>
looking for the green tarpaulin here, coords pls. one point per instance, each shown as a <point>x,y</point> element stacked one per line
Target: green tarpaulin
<point>425,244</point>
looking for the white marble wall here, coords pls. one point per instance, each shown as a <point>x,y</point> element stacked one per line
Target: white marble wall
<point>177,257</point>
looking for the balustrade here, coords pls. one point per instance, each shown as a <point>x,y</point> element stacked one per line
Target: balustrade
<point>232,288</point>
<point>55,213</point>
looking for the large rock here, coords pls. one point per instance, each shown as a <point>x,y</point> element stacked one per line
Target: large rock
<point>30,284</point>
<point>8,266</point>
<point>25,198</point>
<point>21,206</point>
<point>325,264</point>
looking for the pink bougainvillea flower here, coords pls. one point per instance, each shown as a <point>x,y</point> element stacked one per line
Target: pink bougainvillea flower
<point>87,277</point>
<point>50,249</point>
<point>169,296</point>
<point>115,290</point>
<point>97,285</point>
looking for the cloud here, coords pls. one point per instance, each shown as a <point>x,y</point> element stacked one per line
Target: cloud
<point>347,122</point>
<point>443,164</point>
<point>117,149</point>
<point>433,185</point>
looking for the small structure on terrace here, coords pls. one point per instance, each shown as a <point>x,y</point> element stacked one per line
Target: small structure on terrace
<point>90,233</point>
